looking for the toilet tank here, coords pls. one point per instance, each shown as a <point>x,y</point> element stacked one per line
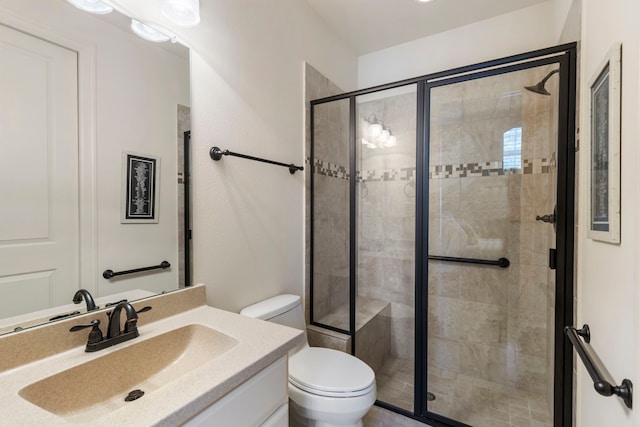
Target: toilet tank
<point>284,310</point>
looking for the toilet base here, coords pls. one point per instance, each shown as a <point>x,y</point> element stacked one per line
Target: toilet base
<point>298,420</point>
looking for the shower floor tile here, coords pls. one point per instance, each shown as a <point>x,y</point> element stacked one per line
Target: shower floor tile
<point>470,400</point>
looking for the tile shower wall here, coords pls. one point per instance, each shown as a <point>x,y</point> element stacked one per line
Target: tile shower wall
<point>488,324</point>
<point>331,198</point>
<point>386,214</point>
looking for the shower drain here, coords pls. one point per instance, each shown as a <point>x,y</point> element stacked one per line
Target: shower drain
<point>430,397</point>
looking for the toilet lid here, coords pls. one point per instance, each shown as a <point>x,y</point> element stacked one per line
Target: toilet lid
<point>330,372</point>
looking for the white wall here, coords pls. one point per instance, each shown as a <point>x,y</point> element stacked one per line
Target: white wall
<point>129,91</point>
<point>247,96</point>
<point>608,274</point>
<point>512,33</point>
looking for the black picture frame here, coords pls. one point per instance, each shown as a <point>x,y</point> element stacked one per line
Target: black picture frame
<point>140,188</point>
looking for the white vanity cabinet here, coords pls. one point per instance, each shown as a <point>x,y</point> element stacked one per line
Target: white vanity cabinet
<point>260,401</point>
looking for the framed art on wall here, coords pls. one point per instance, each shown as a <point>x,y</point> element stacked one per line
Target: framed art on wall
<point>140,176</point>
<point>604,149</point>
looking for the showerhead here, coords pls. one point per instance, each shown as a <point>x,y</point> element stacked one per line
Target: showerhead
<point>539,87</point>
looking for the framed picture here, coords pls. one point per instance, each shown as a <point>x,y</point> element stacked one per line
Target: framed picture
<point>140,178</point>
<point>604,149</point>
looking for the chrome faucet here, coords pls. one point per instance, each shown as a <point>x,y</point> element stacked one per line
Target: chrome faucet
<point>115,335</point>
<point>83,293</point>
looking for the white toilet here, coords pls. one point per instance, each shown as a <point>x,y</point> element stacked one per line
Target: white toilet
<point>326,387</point>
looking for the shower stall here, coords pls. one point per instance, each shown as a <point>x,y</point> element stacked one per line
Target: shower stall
<point>441,238</point>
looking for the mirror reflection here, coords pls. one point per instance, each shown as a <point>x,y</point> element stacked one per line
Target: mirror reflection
<point>92,126</point>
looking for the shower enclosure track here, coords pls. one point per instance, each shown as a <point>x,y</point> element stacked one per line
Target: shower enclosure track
<point>500,262</point>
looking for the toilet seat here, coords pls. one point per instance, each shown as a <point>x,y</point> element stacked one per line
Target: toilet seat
<point>331,373</point>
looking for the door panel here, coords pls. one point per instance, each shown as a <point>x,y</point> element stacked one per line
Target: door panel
<point>492,161</point>
<point>38,173</point>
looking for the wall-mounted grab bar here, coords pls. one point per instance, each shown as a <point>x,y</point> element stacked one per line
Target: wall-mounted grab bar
<point>501,262</point>
<point>602,386</point>
<point>108,274</point>
<point>216,154</point>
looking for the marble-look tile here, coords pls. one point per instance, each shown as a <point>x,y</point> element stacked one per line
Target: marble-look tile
<point>373,340</point>
<point>444,197</point>
<point>380,417</point>
<point>321,337</point>
<point>487,195</point>
<point>486,285</point>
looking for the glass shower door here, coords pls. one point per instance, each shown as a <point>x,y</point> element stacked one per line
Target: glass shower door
<point>385,240</point>
<point>492,156</point>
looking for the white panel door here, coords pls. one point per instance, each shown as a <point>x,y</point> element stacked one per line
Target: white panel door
<point>38,173</point>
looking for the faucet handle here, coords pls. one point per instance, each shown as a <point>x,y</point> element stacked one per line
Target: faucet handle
<point>95,335</point>
<point>132,324</point>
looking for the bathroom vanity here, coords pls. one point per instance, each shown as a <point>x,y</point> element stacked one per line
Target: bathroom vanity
<point>190,365</point>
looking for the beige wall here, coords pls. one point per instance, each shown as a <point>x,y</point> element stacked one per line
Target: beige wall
<point>247,96</point>
<point>607,274</point>
<point>509,34</point>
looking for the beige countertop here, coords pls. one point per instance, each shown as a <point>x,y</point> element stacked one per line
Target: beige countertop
<point>174,401</point>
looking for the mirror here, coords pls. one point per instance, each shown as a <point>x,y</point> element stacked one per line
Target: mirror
<point>83,100</point>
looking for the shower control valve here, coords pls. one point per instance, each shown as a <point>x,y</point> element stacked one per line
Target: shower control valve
<point>551,219</point>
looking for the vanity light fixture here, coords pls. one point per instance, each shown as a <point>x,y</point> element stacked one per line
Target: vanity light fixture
<point>148,33</point>
<point>377,134</point>
<point>92,6</point>
<point>375,127</point>
<point>185,13</point>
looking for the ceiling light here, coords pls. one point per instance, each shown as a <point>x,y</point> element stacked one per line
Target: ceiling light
<point>423,1</point>
<point>92,6</point>
<point>148,33</point>
<point>185,13</point>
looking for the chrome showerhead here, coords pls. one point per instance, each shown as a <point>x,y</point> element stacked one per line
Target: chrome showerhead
<point>539,87</point>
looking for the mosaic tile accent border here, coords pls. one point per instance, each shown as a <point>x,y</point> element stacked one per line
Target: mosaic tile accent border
<point>321,167</point>
<point>467,170</point>
<point>401,174</point>
<point>462,170</point>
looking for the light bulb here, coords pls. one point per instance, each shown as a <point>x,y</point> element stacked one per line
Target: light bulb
<point>375,129</point>
<point>384,136</point>
<point>92,6</point>
<point>392,141</point>
<point>148,33</point>
<point>185,13</point>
